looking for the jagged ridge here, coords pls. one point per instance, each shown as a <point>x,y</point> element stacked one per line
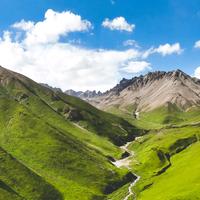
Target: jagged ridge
<point>84,95</point>
<point>153,90</point>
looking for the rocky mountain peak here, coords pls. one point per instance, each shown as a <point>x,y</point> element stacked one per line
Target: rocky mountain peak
<point>145,79</point>
<point>84,95</point>
<point>178,74</point>
<point>55,89</point>
<point>153,90</point>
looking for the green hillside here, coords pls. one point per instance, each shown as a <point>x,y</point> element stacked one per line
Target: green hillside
<point>165,116</point>
<point>55,146</point>
<point>19,182</point>
<point>166,158</point>
<point>168,163</point>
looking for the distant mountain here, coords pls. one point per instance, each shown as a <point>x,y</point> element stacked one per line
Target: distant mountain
<point>153,90</point>
<point>55,89</point>
<point>84,95</point>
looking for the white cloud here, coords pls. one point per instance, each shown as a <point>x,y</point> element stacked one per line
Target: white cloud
<point>168,49</point>
<point>118,23</point>
<point>197,72</point>
<point>40,55</point>
<point>131,43</point>
<point>197,44</point>
<point>53,26</point>
<point>65,65</point>
<point>135,67</point>
<point>148,52</point>
<point>23,25</point>
<point>164,50</point>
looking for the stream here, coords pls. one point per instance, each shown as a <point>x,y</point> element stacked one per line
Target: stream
<point>125,162</point>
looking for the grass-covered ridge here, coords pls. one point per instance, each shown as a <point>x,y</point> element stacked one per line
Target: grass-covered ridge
<point>104,124</point>
<point>62,140</point>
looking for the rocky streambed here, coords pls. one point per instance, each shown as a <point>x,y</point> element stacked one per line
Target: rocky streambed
<point>125,162</point>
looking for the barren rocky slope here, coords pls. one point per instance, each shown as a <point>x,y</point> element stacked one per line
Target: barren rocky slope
<point>155,89</point>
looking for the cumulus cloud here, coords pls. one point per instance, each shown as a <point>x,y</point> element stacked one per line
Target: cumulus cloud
<point>23,25</point>
<point>135,67</point>
<point>197,72</point>
<point>168,49</point>
<point>118,23</point>
<point>197,44</point>
<point>164,50</point>
<point>40,54</point>
<point>65,65</point>
<point>54,25</point>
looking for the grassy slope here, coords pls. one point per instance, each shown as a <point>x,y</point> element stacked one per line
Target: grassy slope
<point>149,163</point>
<point>160,117</point>
<point>120,193</point>
<point>104,124</point>
<point>69,165</point>
<point>71,159</point>
<point>32,186</point>
<point>181,179</point>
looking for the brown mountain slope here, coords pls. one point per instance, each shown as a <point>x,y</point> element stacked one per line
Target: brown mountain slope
<point>151,91</point>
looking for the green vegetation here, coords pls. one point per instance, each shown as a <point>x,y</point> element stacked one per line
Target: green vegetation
<point>181,181</point>
<point>55,146</point>
<point>120,193</point>
<point>162,117</point>
<point>32,186</point>
<point>161,160</point>
<point>166,157</point>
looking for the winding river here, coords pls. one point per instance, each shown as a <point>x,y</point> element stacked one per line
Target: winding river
<point>125,162</point>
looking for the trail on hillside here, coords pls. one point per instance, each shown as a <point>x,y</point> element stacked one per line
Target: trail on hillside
<point>125,162</point>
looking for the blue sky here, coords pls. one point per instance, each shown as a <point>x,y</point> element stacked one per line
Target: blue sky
<point>154,24</point>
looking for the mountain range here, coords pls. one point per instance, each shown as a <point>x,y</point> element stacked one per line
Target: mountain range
<point>148,92</point>
<point>84,95</point>
<point>138,140</point>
